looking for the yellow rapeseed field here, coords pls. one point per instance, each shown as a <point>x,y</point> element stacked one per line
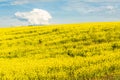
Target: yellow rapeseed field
<point>87,51</point>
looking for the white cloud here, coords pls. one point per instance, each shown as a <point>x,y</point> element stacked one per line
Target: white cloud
<point>110,7</point>
<point>2,0</point>
<point>6,21</point>
<point>101,0</point>
<point>93,6</point>
<point>35,17</point>
<point>96,0</point>
<point>19,2</point>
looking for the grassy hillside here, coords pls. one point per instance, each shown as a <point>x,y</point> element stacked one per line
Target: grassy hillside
<point>88,51</point>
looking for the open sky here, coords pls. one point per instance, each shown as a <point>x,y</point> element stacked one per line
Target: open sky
<point>61,11</point>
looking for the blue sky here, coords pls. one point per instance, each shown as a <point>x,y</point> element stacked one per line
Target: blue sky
<point>62,11</point>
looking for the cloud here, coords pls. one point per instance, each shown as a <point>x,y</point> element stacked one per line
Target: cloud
<point>2,0</point>
<point>19,2</point>
<point>101,0</point>
<point>11,21</point>
<point>35,17</point>
<point>98,7</point>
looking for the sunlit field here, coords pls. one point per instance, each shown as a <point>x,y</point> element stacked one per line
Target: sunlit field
<point>87,51</point>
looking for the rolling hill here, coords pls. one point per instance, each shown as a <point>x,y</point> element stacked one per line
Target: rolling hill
<point>87,51</point>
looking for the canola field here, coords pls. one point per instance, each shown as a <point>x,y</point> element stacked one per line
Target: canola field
<point>87,51</point>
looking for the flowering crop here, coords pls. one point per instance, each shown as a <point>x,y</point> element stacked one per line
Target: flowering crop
<point>88,51</point>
